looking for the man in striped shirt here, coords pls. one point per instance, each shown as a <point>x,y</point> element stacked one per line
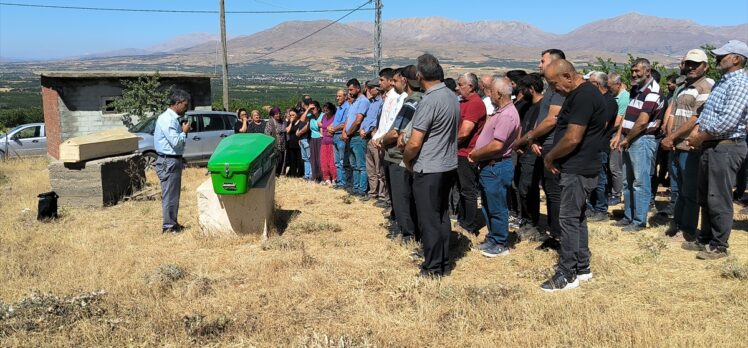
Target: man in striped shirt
<point>684,163</point>
<point>638,145</point>
<point>720,133</point>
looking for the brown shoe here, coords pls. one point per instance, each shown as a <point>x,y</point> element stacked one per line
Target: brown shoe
<point>711,253</point>
<point>693,246</point>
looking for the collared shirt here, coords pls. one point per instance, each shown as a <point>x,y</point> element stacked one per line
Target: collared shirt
<point>688,102</point>
<point>340,115</point>
<point>472,110</point>
<point>489,105</point>
<point>168,138</point>
<point>437,115</point>
<point>622,99</point>
<point>370,121</point>
<point>645,99</point>
<point>503,126</point>
<point>726,111</point>
<point>392,104</point>
<point>359,107</point>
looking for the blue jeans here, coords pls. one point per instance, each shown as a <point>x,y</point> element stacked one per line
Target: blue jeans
<point>495,181</point>
<point>638,166</point>
<point>598,200</point>
<point>339,152</point>
<point>305,156</point>
<point>684,170</point>
<point>358,163</point>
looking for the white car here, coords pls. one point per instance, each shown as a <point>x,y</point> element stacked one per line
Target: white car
<point>24,140</point>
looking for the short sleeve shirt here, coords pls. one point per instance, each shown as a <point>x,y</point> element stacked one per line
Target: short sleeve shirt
<point>550,98</point>
<point>359,106</point>
<point>622,99</point>
<point>688,103</point>
<point>473,110</point>
<point>646,99</point>
<point>503,126</point>
<point>585,106</point>
<point>437,115</point>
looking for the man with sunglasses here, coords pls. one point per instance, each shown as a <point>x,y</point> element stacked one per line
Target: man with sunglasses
<point>720,133</point>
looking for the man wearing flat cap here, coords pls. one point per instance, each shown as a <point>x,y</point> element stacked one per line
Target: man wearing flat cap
<point>720,133</point>
<point>684,161</point>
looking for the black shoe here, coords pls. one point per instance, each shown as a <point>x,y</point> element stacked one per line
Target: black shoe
<point>174,229</point>
<point>549,244</point>
<point>559,282</point>
<point>363,197</point>
<point>614,200</point>
<point>622,222</point>
<point>693,246</point>
<point>599,216</point>
<point>382,204</point>
<point>633,228</point>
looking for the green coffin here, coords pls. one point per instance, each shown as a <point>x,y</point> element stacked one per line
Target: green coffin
<point>240,161</point>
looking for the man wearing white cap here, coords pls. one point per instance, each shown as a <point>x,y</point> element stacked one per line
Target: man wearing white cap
<point>684,162</point>
<point>720,132</point>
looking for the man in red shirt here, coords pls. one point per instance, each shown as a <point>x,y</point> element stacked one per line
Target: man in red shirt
<point>472,118</point>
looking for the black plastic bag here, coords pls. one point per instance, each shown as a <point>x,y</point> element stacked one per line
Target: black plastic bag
<point>47,206</point>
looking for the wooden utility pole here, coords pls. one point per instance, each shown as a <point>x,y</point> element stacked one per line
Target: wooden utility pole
<point>225,68</point>
<point>378,36</point>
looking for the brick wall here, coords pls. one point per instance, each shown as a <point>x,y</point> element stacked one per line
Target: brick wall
<point>50,104</point>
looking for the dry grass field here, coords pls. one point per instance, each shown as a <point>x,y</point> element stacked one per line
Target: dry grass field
<point>109,277</point>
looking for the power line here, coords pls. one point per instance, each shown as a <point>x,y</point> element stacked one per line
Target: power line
<point>315,32</point>
<point>176,11</point>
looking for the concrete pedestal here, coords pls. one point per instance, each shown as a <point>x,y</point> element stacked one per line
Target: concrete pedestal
<point>226,215</point>
<point>97,183</point>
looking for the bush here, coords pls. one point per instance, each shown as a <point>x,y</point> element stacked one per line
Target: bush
<point>10,118</point>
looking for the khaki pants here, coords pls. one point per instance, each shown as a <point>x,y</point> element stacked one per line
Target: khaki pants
<point>375,172</point>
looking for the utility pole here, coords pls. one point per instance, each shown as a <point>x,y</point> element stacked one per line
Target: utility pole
<point>378,36</point>
<point>225,58</point>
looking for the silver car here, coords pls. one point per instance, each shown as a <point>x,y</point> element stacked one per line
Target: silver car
<point>24,140</point>
<point>208,129</point>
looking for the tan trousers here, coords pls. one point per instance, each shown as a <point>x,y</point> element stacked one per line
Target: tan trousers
<point>375,172</point>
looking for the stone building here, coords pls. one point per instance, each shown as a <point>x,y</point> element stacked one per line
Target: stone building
<point>77,103</point>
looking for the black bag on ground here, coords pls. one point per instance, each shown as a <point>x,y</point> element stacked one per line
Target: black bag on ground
<point>47,206</point>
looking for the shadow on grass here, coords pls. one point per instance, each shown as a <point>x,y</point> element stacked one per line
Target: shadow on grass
<point>282,217</point>
<point>459,246</point>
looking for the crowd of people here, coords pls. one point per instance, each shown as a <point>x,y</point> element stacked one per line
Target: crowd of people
<point>435,151</point>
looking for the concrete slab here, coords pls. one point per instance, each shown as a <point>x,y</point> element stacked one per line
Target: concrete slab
<point>230,215</point>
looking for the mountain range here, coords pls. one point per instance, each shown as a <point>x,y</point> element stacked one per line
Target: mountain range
<point>663,38</point>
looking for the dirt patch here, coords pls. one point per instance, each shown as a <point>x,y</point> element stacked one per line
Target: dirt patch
<point>48,312</point>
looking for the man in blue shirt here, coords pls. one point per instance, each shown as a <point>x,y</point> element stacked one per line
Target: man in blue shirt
<point>336,129</point>
<point>351,135</point>
<point>720,133</point>
<point>168,139</point>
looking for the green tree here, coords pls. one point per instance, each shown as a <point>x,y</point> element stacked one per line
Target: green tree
<point>624,69</point>
<point>141,98</point>
<point>712,72</point>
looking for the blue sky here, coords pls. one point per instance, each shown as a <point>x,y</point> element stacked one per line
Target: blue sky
<point>54,33</point>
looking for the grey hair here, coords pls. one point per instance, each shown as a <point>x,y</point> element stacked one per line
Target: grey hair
<point>472,80</point>
<point>614,78</point>
<point>178,96</point>
<point>600,77</point>
<point>643,62</point>
<point>503,86</point>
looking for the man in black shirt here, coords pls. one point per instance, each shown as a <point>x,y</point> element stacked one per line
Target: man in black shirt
<point>529,166</point>
<point>598,200</point>
<point>580,127</point>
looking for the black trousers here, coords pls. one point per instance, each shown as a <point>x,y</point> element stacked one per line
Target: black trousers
<point>467,175</point>
<point>574,254</point>
<point>718,169</point>
<point>552,189</point>
<point>294,162</point>
<point>431,192</point>
<point>527,179</point>
<point>403,203</point>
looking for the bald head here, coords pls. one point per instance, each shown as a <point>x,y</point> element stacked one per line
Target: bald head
<point>562,76</point>
<point>501,91</point>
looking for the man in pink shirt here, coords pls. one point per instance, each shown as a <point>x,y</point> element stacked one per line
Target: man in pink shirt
<point>493,154</point>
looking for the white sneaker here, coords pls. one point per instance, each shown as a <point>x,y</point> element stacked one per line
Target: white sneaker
<point>585,276</point>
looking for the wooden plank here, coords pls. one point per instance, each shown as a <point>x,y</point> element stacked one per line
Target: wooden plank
<point>106,143</point>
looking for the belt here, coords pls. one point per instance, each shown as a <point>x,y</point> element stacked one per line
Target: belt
<point>169,156</point>
<point>733,141</point>
<point>493,161</point>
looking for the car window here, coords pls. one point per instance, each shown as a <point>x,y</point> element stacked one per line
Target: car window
<point>194,125</point>
<point>230,122</point>
<point>212,123</point>
<point>30,132</point>
<point>147,125</point>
